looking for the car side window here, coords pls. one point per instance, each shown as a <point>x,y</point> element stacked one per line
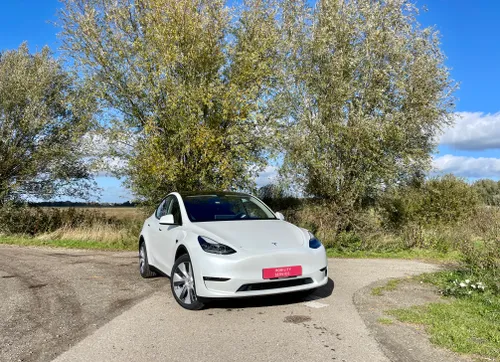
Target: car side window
<point>163,208</point>
<point>175,210</point>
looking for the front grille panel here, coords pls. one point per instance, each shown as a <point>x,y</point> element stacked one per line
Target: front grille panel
<point>274,285</point>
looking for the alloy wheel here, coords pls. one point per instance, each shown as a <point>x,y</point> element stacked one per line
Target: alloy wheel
<point>183,283</point>
<point>142,258</point>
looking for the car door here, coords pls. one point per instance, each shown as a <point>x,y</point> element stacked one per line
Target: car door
<point>165,236</point>
<point>172,233</point>
<point>155,232</point>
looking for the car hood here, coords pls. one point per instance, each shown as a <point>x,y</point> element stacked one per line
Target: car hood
<point>254,235</point>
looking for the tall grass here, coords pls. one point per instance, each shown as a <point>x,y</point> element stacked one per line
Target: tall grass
<point>109,226</point>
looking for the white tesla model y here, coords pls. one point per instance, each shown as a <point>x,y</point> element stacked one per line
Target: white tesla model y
<point>228,245</point>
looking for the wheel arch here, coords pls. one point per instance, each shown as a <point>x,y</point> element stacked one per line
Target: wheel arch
<point>141,240</point>
<point>181,250</point>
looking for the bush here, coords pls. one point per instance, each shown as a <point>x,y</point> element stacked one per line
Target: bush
<point>489,191</point>
<point>334,229</point>
<point>445,200</point>
<point>348,241</point>
<point>482,256</point>
<point>321,218</point>
<point>480,243</point>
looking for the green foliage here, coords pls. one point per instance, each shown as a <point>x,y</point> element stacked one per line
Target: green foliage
<point>463,283</point>
<point>189,79</point>
<point>348,241</point>
<point>489,191</point>
<point>480,256</point>
<point>358,88</point>
<point>41,124</point>
<point>480,247</point>
<point>369,93</point>
<point>445,200</point>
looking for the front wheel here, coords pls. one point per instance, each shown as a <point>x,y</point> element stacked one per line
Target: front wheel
<point>183,284</point>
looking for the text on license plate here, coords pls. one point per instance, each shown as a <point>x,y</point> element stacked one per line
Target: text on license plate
<point>282,272</point>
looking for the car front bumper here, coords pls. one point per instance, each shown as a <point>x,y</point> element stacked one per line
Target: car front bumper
<point>240,275</point>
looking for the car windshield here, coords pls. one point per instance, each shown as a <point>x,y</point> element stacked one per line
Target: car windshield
<point>226,207</point>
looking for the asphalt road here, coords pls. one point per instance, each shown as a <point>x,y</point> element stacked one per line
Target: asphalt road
<point>88,305</point>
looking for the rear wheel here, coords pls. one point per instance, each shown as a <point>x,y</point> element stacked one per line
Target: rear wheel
<point>183,284</point>
<point>144,268</point>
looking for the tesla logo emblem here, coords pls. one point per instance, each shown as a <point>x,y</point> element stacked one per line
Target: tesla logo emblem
<point>275,244</point>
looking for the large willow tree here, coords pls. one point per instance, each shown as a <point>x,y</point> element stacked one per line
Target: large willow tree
<point>186,80</point>
<point>42,121</point>
<point>368,93</point>
<point>359,86</point>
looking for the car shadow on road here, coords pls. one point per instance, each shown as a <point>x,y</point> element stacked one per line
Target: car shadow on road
<point>273,300</point>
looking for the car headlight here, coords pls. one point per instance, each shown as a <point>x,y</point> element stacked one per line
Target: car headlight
<point>314,243</point>
<point>213,247</point>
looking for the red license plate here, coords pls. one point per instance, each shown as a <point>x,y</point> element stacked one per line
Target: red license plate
<point>282,272</point>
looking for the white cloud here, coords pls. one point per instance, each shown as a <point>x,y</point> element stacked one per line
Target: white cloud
<point>473,131</point>
<point>480,167</point>
<point>267,176</point>
<point>107,155</point>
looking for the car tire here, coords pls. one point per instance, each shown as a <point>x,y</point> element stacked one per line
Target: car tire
<point>183,284</point>
<point>144,268</point>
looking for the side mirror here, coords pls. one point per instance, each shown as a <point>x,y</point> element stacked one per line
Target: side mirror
<point>167,220</point>
<point>279,215</point>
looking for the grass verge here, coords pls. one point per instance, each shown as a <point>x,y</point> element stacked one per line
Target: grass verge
<point>424,254</point>
<point>385,321</point>
<point>468,324</point>
<point>66,243</point>
<point>391,285</point>
<point>94,239</point>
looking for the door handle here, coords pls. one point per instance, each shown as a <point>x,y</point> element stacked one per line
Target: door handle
<point>159,229</point>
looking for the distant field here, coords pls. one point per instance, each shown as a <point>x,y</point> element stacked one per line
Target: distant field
<point>119,212</point>
<point>130,213</point>
<point>116,228</point>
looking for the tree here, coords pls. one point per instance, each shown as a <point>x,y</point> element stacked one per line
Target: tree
<point>370,92</point>
<point>489,191</point>
<point>41,124</point>
<point>188,78</point>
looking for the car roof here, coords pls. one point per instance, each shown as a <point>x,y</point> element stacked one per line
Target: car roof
<point>217,193</point>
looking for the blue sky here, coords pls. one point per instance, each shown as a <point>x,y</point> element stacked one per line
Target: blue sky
<point>470,35</point>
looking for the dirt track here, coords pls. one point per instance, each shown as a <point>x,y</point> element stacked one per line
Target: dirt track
<point>51,298</point>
